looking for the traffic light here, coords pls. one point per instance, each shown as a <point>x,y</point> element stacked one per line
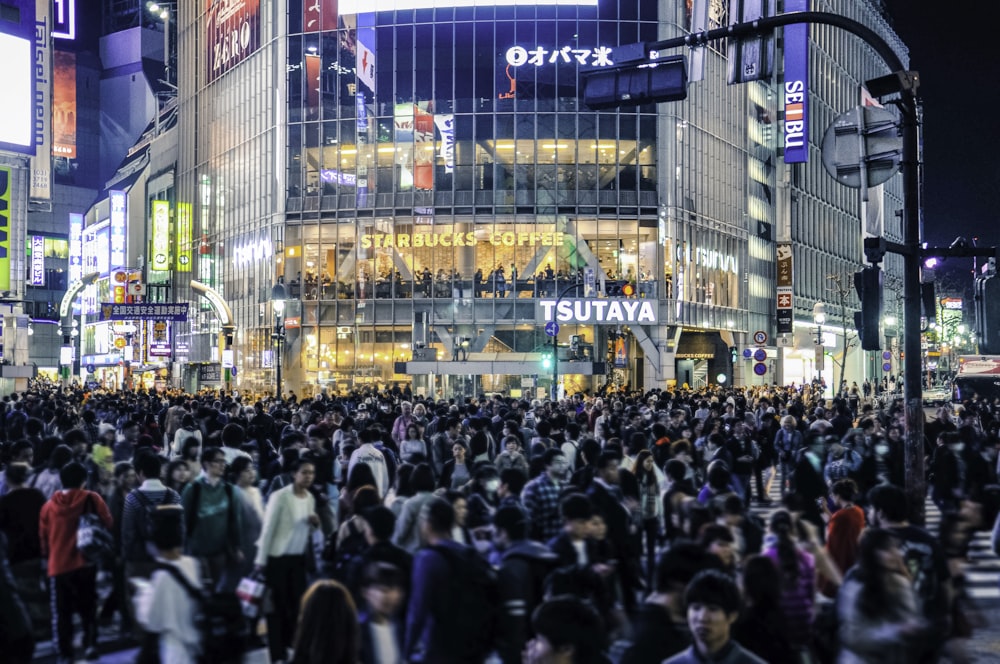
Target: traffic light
<point>751,58</point>
<point>868,283</point>
<point>619,289</point>
<point>664,79</point>
<point>987,290</point>
<point>547,359</point>
<point>734,354</point>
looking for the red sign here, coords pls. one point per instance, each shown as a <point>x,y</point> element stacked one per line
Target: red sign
<point>784,300</point>
<point>319,15</point>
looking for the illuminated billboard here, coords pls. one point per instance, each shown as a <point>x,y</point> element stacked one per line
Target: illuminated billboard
<point>348,7</point>
<point>183,237</point>
<point>161,236</point>
<point>18,85</point>
<point>37,277</point>
<point>64,19</point>
<point>119,218</point>
<point>233,34</point>
<point>5,196</point>
<point>75,246</point>
<point>64,105</point>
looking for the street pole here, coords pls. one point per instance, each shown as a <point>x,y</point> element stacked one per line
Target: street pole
<point>555,342</point>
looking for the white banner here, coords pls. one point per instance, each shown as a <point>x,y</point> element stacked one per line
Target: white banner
<point>446,125</point>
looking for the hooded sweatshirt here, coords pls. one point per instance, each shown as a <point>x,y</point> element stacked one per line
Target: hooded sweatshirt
<point>58,523</point>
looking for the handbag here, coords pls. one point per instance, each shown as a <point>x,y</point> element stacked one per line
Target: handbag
<point>94,542</point>
<point>251,595</point>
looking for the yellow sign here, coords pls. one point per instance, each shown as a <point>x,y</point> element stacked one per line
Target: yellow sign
<point>467,239</point>
<point>119,342</point>
<point>161,236</point>
<point>183,237</point>
<point>5,227</point>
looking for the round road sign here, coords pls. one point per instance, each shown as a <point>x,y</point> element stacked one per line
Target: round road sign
<point>760,337</point>
<point>747,353</point>
<point>760,368</point>
<point>552,328</point>
<point>886,367</point>
<point>760,355</point>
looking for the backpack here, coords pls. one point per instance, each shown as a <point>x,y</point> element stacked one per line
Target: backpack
<point>146,522</point>
<point>95,542</point>
<point>473,603</point>
<point>223,630</point>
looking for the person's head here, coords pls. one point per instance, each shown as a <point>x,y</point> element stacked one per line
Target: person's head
<point>607,466</point>
<point>512,481</point>
<point>148,465</point>
<point>168,528</point>
<point>645,464</point>
<point>73,475</point>
<point>567,631</point>
<point>878,552</point>
<point>303,474</point>
<point>360,475</point>
<point>242,472</point>
<point>422,478</point>
<point>178,472</point>
<point>555,463</point>
<point>328,628</point>
<point>437,518</point>
<point>844,491</point>
<point>213,461</point>
<point>788,423</point>
<point>60,456</point>
<point>458,451</point>
<point>597,527</point>
<point>720,542</point>
<point>191,449</point>
<point>678,565</point>
<point>17,475</point>
<point>460,504</point>
<point>887,504</point>
<point>576,511</point>
<point>761,583</point>
<point>382,587</point>
<point>512,444</point>
<point>713,605</point>
<point>510,525</point>
<point>125,476</point>
<point>380,523</point>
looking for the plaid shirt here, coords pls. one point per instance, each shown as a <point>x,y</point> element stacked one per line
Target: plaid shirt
<point>541,499</point>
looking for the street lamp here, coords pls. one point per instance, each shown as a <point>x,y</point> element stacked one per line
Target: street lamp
<point>819,317</point>
<point>161,10</point>
<point>278,305</point>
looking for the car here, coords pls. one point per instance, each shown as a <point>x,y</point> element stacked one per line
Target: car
<point>938,395</point>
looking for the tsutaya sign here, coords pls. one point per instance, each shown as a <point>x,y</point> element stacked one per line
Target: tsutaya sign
<point>597,312</point>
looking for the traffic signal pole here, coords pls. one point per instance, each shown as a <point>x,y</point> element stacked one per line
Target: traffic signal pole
<point>904,83</point>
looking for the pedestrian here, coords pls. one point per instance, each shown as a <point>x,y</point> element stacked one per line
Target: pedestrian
<point>567,631</point>
<point>73,579</point>
<point>214,520</point>
<point>797,570</point>
<point>328,630</point>
<point>383,590</point>
<point>281,555</point>
<point>541,496</point>
<point>761,626</point>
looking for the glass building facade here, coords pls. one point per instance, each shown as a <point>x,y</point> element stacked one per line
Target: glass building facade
<point>420,178</point>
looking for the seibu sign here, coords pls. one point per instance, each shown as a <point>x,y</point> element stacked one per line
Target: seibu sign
<point>597,312</point>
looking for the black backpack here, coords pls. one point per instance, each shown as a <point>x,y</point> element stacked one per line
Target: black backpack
<point>473,603</point>
<point>223,630</point>
<point>146,523</point>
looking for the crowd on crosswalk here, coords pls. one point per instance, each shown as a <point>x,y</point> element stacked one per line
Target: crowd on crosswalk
<point>714,525</point>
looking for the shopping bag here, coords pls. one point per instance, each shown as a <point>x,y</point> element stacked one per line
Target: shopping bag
<point>251,595</point>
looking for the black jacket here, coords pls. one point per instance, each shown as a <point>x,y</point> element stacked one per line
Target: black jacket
<point>521,580</point>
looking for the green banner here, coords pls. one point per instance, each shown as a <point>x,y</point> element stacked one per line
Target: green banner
<point>5,227</point>
<point>183,237</point>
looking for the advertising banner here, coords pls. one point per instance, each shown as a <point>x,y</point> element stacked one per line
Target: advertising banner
<point>319,15</point>
<point>783,281</point>
<point>313,66</point>
<point>118,202</point>
<point>41,164</point>
<point>160,255</point>
<point>153,311</point>
<point>64,105</point>
<point>233,34</point>
<point>423,152</point>
<point>446,125</point>
<point>5,226</point>
<point>37,260</point>
<point>796,87</point>
<point>183,237</point>
<point>365,51</point>
<point>75,246</point>
<point>18,79</point>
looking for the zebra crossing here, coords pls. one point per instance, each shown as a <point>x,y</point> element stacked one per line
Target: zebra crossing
<point>982,569</point>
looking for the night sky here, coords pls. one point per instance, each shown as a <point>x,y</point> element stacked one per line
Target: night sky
<point>954,48</point>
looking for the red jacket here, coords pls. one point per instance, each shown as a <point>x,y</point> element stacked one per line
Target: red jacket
<point>58,523</point>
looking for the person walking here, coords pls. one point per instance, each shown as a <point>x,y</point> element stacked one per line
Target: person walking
<point>281,555</point>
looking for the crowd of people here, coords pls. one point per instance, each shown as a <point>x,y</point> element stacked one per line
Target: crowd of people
<point>388,528</point>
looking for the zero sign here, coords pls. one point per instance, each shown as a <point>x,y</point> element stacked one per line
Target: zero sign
<point>760,337</point>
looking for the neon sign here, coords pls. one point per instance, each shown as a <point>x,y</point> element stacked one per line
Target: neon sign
<point>518,56</point>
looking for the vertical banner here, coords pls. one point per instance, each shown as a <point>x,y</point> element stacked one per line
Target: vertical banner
<point>621,352</point>
<point>446,125</point>
<point>233,34</point>
<point>119,215</point>
<point>364,63</point>
<point>423,149</point>
<point>160,254</point>
<point>319,15</point>
<point>183,237</point>
<point>872,208</point>
<point>37,260</point>
<point>75,246</point>
<point>311,82</point>
<point>64,105</point>
<point>41,163</point>
<point>5,226</point>
<point>796,88</point>
<point>783,281</point>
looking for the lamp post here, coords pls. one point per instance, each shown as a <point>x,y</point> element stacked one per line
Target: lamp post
<point>278,305</point>
<point>819,317</point>
<point>161,10</point>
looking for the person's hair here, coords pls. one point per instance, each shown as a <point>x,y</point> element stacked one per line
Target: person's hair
<point>590,449</point>
<point>718,476</point>
<point>361,475</point>
<point>678,565</point>
<point>675,469</point>
<point>512,520</point>
<point>365,497</point>
<point>439,515</point>
<point>60,456</point>
<point>404,485</point>
<point>890,500</point>
<point>210,454</point>
<point>761,583</point>
<point>379,573</point>
<point>297,464</point>
<point>122,468</point>
<point>680,446</point>
<point>171,467</point>
<point>233,435</point>
<point>605,458</point>
<point>845,489</point>
<point>237,467</point>
<point>576,507</point>
<point>381,520</point>
<point>422,478</point>
<point>567,621</point>
<point>875,596</point>
<point>788,554</point>
<point>714,588</point>
<point>167,527</point>
<point>514,478</point>
<point>328,629</point>
<point>73,475</point>
<point>148,464</point>
<point>550,455</point>
<point>74,436</point>
<point>714,532</point>
<point>640,469</point>
<point>17,473</point>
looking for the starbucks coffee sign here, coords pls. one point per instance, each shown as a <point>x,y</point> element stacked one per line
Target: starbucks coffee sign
<point>597,312</point>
